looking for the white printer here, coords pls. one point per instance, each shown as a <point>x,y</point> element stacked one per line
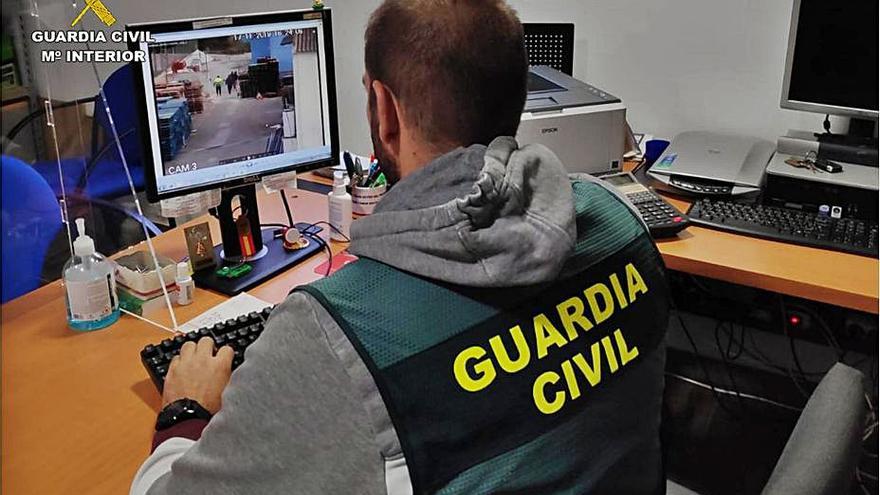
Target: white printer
<point>583,125</point>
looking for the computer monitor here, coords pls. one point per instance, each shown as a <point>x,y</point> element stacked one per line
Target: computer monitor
<point>831,64</point>
<point>225,101</point>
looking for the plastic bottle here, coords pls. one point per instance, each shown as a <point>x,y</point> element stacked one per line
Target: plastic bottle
<point>90,285</point>
<point>340,209</point>
<point>185,284</point>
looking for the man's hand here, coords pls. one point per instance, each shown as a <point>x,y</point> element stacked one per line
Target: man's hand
<point>198,374</point>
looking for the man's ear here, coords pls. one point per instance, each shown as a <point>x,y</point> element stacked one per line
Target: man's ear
<point>388,116</point>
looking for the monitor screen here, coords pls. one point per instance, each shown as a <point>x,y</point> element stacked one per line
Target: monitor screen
<point>833,57</point>
<point>236,101</point>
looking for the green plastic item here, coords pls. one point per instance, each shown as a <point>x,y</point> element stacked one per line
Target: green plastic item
<point>234,271</point>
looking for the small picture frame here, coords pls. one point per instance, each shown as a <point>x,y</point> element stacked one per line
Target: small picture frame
<point>200,247</point>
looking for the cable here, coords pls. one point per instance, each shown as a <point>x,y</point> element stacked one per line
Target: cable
<point>286,208</point>
<point>794,354</point>
<point>702,364</point>
<point>826,124</point>
<point>727,370</point>
<point>736,393</point>
<point>309,226</point>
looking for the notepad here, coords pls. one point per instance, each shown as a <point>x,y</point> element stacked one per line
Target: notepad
<point>233,307</point>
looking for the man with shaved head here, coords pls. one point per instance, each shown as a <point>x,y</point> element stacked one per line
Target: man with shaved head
<point>501,332</point>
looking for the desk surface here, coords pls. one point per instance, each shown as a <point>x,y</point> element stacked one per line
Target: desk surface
<point>61,388</point>
<point>835,278</point>
<point>58,385</point>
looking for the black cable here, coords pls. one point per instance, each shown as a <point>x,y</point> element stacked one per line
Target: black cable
<point>826,124</point>
<point>278,225</point>
<point>286,208</point>
<point>309,226</point>
<point>703,367</point>
<point>727,370</point>
<point>792,346</point>
<point>326,247</point>
<point>305,231</point>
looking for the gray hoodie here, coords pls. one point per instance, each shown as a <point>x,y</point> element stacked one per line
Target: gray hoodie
<point>302,414</point>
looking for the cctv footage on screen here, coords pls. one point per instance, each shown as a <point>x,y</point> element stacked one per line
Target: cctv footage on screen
<point>236,98</point>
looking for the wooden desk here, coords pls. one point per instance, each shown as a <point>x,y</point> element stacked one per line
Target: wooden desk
<point>58,384</point>
<point>840,279</point>
<point>78,408</point>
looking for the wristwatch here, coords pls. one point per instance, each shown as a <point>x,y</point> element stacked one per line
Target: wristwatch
<point>180,410</point>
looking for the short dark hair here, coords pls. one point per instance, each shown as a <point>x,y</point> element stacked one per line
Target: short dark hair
<point>457,67</point>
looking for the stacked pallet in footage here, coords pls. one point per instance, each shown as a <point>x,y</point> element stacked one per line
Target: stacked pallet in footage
<point>175,124</point>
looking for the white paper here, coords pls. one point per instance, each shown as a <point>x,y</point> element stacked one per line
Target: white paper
<point>233,307</point>
<point>276,182</point>
<point>191,204</point>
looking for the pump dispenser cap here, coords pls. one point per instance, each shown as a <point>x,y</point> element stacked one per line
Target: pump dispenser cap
<point>338,181</point>
<point>182,270</point>
<point>83,245</point>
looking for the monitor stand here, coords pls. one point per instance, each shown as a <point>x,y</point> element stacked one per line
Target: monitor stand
<point>263,251</point>
<point>857,146</point>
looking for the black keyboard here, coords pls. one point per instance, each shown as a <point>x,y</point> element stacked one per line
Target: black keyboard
<point>237,333</point>
<point>787,225</point>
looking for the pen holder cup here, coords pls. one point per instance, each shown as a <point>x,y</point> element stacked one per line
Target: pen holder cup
<point>365,199</point>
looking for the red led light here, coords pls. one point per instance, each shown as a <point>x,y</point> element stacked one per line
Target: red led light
<point>794,320</point>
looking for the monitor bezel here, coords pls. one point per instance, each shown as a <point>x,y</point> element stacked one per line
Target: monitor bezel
<point>806,106</point>
<point>151,185</point>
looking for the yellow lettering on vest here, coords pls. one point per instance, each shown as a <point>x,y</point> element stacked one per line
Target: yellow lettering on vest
<point>609,354</point>
<point>600,315</point>
<point>571,311</point>
<point>503,357</point>
<point>574,390</point>
<point>618,291</point>
<point>626,354</point>
<point>634,282</point>
<point>483,369</point>
<point>541,402</point>
<point>593,373</point>
<point>546,335</point>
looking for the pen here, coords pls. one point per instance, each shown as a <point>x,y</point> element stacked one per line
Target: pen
<point>372,174</point>
<point>380,180</point>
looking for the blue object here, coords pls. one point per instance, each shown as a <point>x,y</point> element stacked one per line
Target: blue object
<point>653,149</point>
<point>107,177</point>
<point>271,47</point>
<point>31,219</point>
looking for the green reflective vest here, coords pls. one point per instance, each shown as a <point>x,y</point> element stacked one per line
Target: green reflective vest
<point>553,388</point>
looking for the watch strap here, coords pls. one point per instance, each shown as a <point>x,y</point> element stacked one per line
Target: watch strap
<point>181,410</point>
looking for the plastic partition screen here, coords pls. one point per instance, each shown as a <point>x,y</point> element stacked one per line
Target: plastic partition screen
<point>225,105</point>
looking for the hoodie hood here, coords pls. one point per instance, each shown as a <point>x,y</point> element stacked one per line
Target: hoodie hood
<point>496,216</point>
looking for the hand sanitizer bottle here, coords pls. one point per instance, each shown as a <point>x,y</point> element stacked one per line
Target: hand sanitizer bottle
<point>90,285</point>
<point>340,209</point>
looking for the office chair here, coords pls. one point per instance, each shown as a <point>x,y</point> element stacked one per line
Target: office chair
<point>550,44</point>
<point>99,175</point>
<point>31,219</point>
<point>823,451</point>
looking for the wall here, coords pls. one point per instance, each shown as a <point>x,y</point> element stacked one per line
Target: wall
<point>677,64</point>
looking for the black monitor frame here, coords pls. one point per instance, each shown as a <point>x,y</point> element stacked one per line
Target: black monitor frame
<point>787,102</point>
<point>153,193</point>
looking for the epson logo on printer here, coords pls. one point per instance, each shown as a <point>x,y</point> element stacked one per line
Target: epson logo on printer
<point>549,130</point>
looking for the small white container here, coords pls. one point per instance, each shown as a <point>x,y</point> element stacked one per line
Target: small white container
<point>340,207</point>
<point>185,285</point>
<point>365,199</point>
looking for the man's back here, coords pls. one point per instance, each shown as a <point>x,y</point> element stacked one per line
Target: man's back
<point>511,344</point>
